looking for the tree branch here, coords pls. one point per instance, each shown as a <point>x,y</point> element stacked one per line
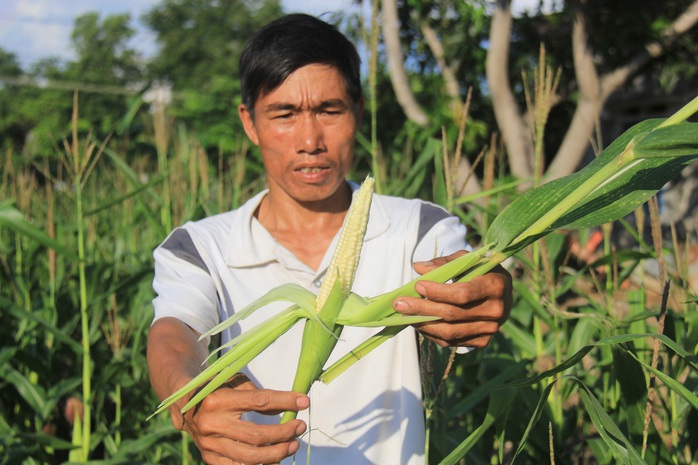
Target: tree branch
<point>595,91</point>
<point>449,76</point>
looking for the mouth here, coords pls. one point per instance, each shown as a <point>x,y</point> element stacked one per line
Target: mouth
<point>311,169</point>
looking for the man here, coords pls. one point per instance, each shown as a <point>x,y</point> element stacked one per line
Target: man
<point>301,105</point>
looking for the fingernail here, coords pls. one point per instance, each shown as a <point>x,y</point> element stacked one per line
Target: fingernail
<point>419,287</point>
<point>300,429</point>
<point>425,263</point>
<point>303,402</point>
<point>293,447</point>
<point>400,305</point>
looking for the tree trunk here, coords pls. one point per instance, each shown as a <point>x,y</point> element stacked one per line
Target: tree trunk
<point>591,100</point>
<point>398,77</point>
<point>595,91</point>
<point>516,134</point>
<point>449,76</point>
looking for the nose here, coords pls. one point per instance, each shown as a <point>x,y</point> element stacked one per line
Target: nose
<point>310,137</point>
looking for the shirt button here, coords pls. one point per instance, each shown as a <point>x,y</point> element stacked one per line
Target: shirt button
<point>317,283</point>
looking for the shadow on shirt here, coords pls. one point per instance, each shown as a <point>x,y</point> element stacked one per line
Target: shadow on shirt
<point>378,425</point>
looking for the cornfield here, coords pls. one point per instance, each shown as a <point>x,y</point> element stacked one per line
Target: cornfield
<point>596,365</point>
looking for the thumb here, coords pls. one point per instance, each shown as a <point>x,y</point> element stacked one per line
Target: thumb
<point>426,266</point>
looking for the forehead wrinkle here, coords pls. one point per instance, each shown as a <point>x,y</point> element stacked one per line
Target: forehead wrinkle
<point>280,107</point>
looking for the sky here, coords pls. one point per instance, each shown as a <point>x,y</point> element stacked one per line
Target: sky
<point>37,29</point>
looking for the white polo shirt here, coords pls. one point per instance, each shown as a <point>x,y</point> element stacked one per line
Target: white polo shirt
<point>371,414</point>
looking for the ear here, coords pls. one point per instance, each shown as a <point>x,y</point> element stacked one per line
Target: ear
<point>248,123</point>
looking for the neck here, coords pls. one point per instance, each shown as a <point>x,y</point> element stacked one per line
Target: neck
<point>305,228</point>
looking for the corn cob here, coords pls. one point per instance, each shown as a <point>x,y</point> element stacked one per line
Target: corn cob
<point>346,256</point>
<point>320,337</point>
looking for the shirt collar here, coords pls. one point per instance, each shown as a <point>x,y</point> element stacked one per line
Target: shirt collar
<point>250,244</point>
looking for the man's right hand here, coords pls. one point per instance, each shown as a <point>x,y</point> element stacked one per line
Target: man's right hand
<point>175,356</point>
<point>220,433</point>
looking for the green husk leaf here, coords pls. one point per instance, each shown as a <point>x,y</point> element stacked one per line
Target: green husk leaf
<point>301,297</point>
<point>247,348</point>
<point>381,306</point>
<point>360,351</point>
<point>396,320</point>
<point>255,331</point>
<point>236,359</point>
<point>352,307</point>
<point>317,344</point>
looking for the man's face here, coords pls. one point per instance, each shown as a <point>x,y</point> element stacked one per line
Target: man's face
<point>305,131</point>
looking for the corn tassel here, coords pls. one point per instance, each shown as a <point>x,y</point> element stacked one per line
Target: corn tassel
<point>320,337</point>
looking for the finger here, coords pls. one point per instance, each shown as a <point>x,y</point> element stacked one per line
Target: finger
<point>491,311</point>
<point>258,400</point>
<point>251,433</point>
<point>215,450</point>
<point>426,266</point>
<point>479,289</point>
<point>474,334</point>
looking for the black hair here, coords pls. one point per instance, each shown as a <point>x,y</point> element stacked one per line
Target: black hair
<point>286,44</point>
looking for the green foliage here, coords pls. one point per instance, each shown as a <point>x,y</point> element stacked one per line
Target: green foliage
<point>204,78</point>
<point>588,370</point>
<point>568,377</point>
<point>40,296</point>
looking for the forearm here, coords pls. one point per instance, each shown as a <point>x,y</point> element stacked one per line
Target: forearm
<point>175,356</point>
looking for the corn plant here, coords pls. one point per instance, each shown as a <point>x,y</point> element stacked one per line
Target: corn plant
<point>619,180</point>
<point>325,316</point>
<point>69,283</point>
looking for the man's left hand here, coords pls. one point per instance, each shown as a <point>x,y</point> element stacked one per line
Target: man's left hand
<point>470,312</point>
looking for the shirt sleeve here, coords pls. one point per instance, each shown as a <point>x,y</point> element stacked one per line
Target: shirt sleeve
<point>183,284</point>
<point>441,233</point>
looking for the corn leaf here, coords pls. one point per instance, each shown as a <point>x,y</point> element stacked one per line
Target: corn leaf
<point>540,407</point>
<point>12,218</point>
<point>623,177</point>
<point>671,383</point>
<point>60,335</point>
<point>465,405</point>
<point>532,205</point>
<point>500,400</point>
<point>620,446</point>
